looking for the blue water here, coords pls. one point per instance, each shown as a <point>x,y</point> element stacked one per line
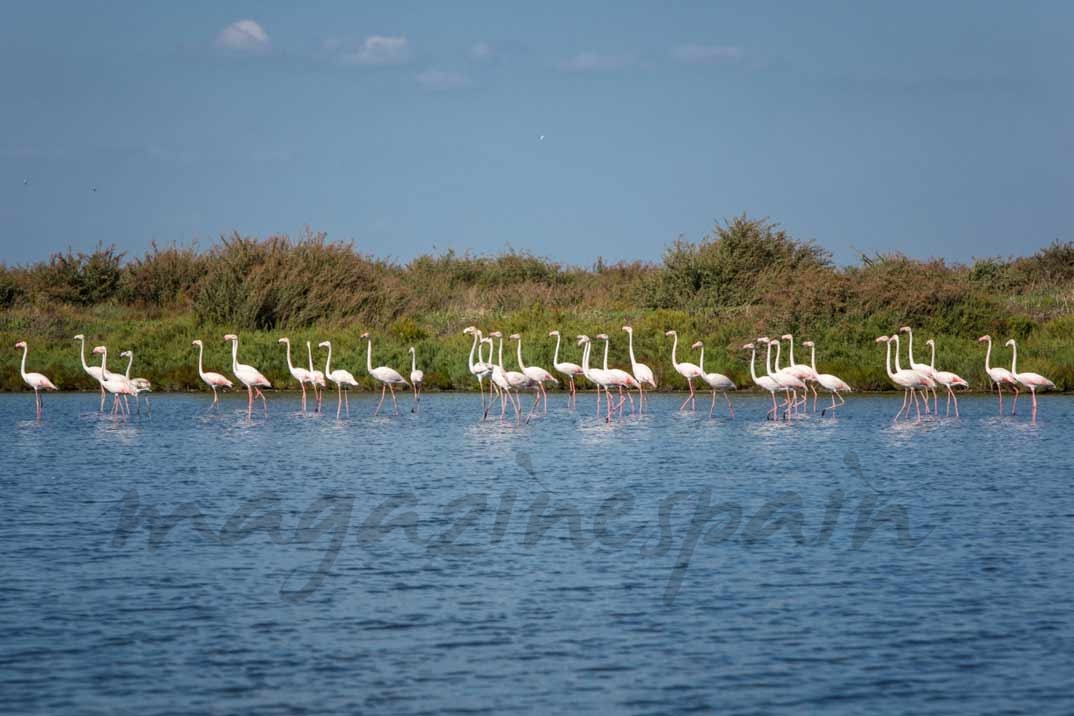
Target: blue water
<point>967,610</point>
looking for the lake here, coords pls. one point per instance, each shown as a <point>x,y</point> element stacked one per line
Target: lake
<point>433,562</point>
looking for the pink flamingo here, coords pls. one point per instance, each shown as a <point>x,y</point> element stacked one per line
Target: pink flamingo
<point>802,372</point>
<point>787,380</point>
<point>340,377</point>
<point>502,386</point>
<point>140,385</point>
<point>318,382</point>
<point>93,371</point>
<point>998,376</point>
<point>571,370</point>
<point>37,381</point>
<point>716,381</point>
<point>389,377</point>
<point>1033,381</point>
<point>909,380</point>
<point>596,376</point>
<point>213,380</point>
<point>922,368</point>
<point>945,378</point>
<point>829,382</point>
<point>520,381</point>
<point>115,383</point>
<point>534,372</point>
<point>479,368</point>
<point>763,382</point>
<point>302,375</point>
<point>642,373</point>
<point>686,370</point>
<point>248,375</point>
<point>620,378</point>
<point>417,379</point>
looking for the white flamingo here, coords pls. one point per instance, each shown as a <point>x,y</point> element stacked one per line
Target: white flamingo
<point>596,376</point>
<point>1033,381</point>
<point>318,382</point>
<point>998,376</point>
<point>498,378</point>
<point>340,377</point>
<point>642,373</point>
<point>140,385</point>
<point>519,380</point>
<point>389,378</point>
<point>620,378</point>
<point>114,383</point>
<point>686,370</point>
<point>302,375</point>
<point>534,372</point>
<point>37,381</point>
<point>831,383</point>
<point>787,380</point>
<point>570,370</point>
<point>802,372</point>
<point>909,380</point>
<point>417,378</point>
<point>248,375</point>
<point>945,378</point>
<point>717,381</point>
<point>213,380</point>
<point>93,371</point>
<point>479,368</point>
<point>923,368</point>
<point>764,382</point>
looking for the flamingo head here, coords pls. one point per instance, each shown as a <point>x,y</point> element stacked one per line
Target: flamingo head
<point>364,335</point>
<point>748,347</point>
<point>411,349</point>
<point>628,329</point>
<point>100,350</point>
<point>582,340</point>
<point>670,333</point>
<point>79,337</point>
<point>882,339</point>
<point>196,342</point>
<point>20,344</point>
<point>601,336</point>
<point>515,337</point>
<point>324,344</point>
<point>984,338</point>
<point>495,334</point>
<point>487,340</point>
<point>470,329</point>
<point>904,329</point>
<point>231,337</point>
<point>763,339</point>
<point>697,344</point>
<point>553,333</point>
<point>808,344</point>
<point>1010,342</point>
<point>284,340</point>
<point>787,337</point>
<point>930,342</point>
<point>895,337</point>
<point>125,354</point>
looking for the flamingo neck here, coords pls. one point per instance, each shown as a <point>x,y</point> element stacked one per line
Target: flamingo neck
<point>290,367</point>
<point>606,354</point>
<point>470,360</point>
<point>753,359</point>
<point>555,357</point>
<point>910,346</point>
<point>701,359</point>
<point>777,354</point>
<point>234,354</point>
<point>309,355</point>
<point>22,368</point>
<point>988,354</point>
<point>813,357</point>
<point>82,354</point>
<point>887,360</point>
<point>413,360</point>
<point>792,351</point>
<point>201,370</point>
<point>585,359</point>
<point>130,360</point>
<point>501,353</point>
<point>328,361</point>
<point>674,345</point>
<point>898,368</point>
<point>1014,358</point>
<point>630,342</point>
<point>104,360</point>
<point>521,367</point>
<point>932,362</point>
<point>768,358</point>
<point>369,355</point>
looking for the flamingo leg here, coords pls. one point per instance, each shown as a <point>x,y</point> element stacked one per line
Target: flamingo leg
<point>303,386</point>
<point>250,405</point>
<point>383,390</point>
<point>339,398</point>
<point>1015,403</point>
<point>712,405</point>
<point>264,402</point>
<point>216,398</point>
<point>536,402</point>
<point>999,389</point>
<point>347,401</point>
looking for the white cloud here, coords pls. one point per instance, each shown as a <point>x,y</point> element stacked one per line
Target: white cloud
<point>244,36</point>
<point>442,81</point>
<point>482,52</point>
<point>378,51</point>
<point>706,54</point>
<point>594,62</point>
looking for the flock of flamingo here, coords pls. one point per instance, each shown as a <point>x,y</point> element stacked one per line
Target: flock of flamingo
<point>794,381</point>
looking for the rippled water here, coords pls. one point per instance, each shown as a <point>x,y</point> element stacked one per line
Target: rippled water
<point>967,609</point>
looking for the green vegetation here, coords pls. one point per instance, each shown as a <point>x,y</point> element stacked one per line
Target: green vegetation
<point>748,278</point>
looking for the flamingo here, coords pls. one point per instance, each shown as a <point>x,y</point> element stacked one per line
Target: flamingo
<point>596,376</point>
<point>498,379</point>
<point>389,377</point>
<point>620,378</point>
<point>802,372</point>
<point>479,368</point>
<point>832,384</point>
<point>417,378</point>
<point>1033,381</point>
<point>945,378</point>
<point>318,382</point>
<point>140,385</point>
<point>763,382</point>
<point>302,375</point>
<point>213,380</point>
<point>248,375</point>
<point>922,368</point>
<point>115,383</point>
<point>998,376</point>
<point>340,377</point>
<point>716,381</point>
<point>522,381</point>
<point>37,381</point>
<point>787,380</point>
<point>93,371</point>
<point>686,370</point>
<point>909,380</point>
<point>642,373</point>
<point>571,370</point>
<point>534,372</point>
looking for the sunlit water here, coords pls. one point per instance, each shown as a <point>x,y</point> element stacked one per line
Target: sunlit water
<point>969,609</point>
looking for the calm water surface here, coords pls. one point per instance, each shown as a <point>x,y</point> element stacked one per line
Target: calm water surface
<point>470,596</point>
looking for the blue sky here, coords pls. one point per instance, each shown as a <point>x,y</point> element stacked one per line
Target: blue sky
<point>935,129</point>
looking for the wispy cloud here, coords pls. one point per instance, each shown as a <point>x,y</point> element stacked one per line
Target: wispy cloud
<point>595,62</point>
<point>244,36</point>
<point>374,51</point>
<point>442,80</point>
<point>481,52</point>
<point>698,54</point>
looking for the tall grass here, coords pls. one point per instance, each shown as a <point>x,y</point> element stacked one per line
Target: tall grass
<point>748,278</point>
